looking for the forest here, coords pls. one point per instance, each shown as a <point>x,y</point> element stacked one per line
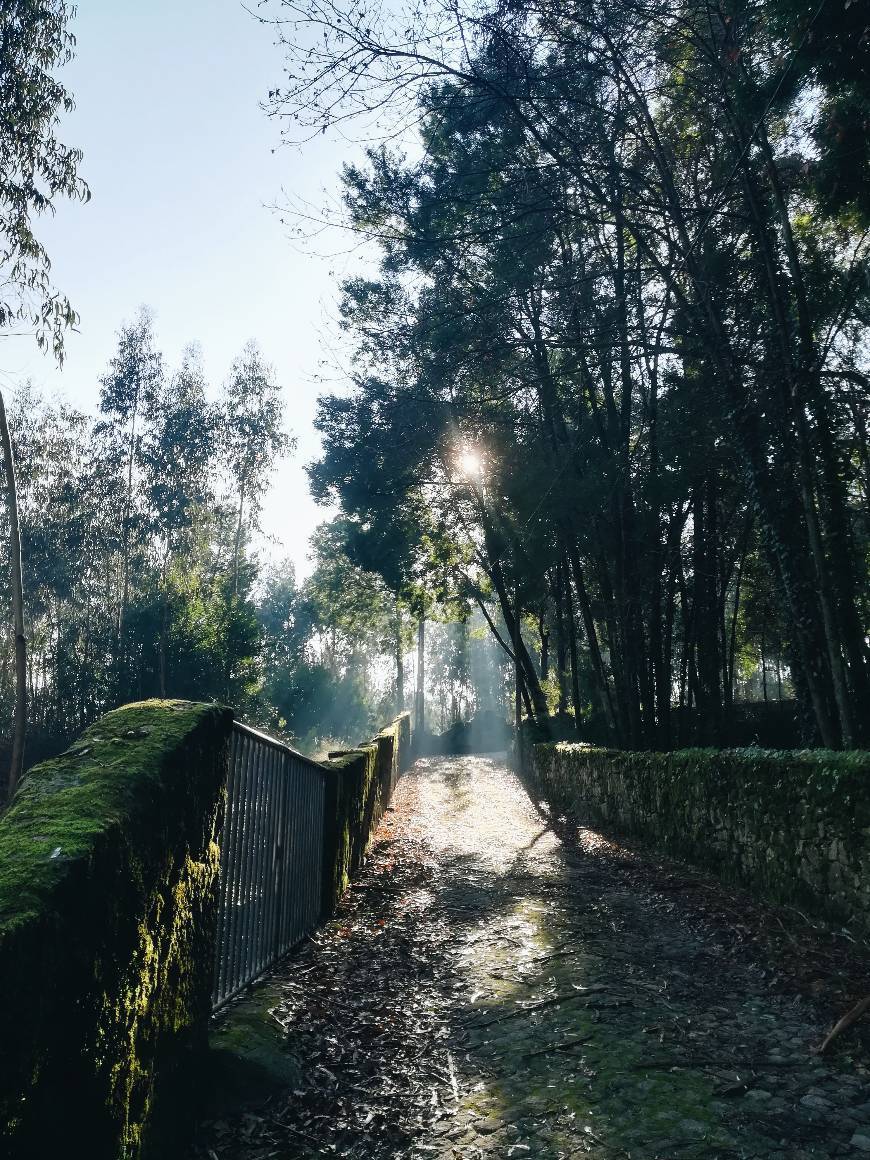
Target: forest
<point>606,418</point>
<point>610,372</point>
<point>518,806</point>
<point>143,578</point>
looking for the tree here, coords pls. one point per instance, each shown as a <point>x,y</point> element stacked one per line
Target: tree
<point>16,762</point>
<point>178,451</point>
<point>35,167</point>
<point>251,416</point>
<point>129,396</point>
<point>606,263</point>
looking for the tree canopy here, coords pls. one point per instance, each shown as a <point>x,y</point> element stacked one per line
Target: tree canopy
<point>613,264</point>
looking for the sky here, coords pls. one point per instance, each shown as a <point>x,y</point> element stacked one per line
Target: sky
<point>183,166</point>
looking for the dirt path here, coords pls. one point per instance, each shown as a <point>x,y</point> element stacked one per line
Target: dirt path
<point>489,990</point>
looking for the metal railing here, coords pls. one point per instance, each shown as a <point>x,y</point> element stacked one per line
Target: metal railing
<point>271,858</point>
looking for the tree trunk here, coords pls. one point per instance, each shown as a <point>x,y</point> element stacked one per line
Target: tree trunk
<point>400,666</point>
<point>545,646</point>
<point>530,674</point>
<point>19,729</point>
<point>572,646</point>
<point>561,655</point>
<point>518,685</point>
<point>164,623</point>
<point>237,546</point>
<point>419,699</point>
<point>602,685</point>
<point>125,566</point>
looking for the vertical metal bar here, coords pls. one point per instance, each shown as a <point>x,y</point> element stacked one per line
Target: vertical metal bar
<point>268,942</point>
<point>302,863</point>
<point>265,883</point>
<point>315,823</point>
<point>253,861</point>
<point>227,846</point>
<point>278,871</point>
<point>314,853</point>
<point>235,805</point>
<point>238,862</point>
<point>294,836</point>
<point>304,844</point>
<point>244,887</point>
<point>317,844</point>
<point>262,881</point>
<point>257,881</point>
<point>299,831</point>
<point>291,843</point>
<point>292,852</point>
<point>222,887</point>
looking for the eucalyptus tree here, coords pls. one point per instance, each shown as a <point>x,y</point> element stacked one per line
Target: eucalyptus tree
<point>252,436</point>
<point>178,456</point>
<point>130,392</point>
<point>35,169</point>
<point>35,166</point>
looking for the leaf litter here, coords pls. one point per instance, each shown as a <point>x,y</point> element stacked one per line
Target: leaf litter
<point>496,986</point>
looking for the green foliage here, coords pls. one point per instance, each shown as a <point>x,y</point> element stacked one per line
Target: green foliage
<point>634,283</point>
<point>140,581</point>
<point>328,646</point>
<point>35,167</point>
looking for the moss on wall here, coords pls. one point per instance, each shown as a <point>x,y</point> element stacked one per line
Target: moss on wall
<point>359,787</point>
<point>108,869</point>
<point>794,826</point>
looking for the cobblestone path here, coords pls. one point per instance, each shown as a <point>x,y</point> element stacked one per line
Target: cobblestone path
<point>492,990</point>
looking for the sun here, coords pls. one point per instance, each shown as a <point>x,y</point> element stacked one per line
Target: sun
<point>470,464</point>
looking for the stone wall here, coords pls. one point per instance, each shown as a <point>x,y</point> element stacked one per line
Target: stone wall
<point>359,788</point>
<point>791,826</point>
<point>108,869</point>
<point>109,861</point>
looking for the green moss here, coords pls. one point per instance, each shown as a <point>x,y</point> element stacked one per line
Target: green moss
<point>107,906</point>
<point>63,806</point>
<point>793,825</point>
<point>358,792</point>
<point>250,1057</point>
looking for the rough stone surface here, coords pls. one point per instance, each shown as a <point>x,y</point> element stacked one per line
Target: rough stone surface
<point>488,989</point>
<point>794,826</point>
<point>108,867</point>
<point>358,791</point>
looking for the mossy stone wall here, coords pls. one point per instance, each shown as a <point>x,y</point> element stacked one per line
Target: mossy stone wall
<point>792,826</point>
<point>108,872</point>
<point>360,783</point>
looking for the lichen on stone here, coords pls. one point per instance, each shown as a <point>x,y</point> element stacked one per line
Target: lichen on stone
<point>794,826</point>
<point>108,867</point>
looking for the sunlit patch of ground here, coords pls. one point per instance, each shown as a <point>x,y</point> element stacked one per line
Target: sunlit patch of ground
<point>489,990</point>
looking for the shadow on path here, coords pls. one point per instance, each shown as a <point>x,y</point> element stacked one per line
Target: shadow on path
<point>488,989</point>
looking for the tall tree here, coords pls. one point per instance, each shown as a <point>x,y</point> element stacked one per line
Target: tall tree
<point>251,416</point>
<point>610,261</point>
<point>35,168</point>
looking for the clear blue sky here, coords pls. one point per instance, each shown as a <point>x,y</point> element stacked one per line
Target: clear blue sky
<point>180,161</point>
